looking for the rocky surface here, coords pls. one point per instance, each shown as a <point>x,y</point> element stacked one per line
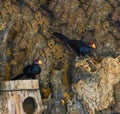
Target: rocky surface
<point>68,85</point>
<point>96,90</point>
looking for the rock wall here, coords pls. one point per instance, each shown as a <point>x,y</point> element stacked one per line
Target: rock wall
<point>96,90</point>
<point>67,85</point>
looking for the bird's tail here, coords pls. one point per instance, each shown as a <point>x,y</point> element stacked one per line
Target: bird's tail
<point>18,77</point>
<point>61,37</point>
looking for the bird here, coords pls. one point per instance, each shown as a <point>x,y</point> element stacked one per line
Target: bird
<point>80,47</point>
<point>30,71</point>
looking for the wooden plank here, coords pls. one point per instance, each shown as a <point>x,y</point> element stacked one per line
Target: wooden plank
<point>19,85</point>
<point>12,102</point>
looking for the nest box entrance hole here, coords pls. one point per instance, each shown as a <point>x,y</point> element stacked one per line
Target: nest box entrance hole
<point>29,105</point>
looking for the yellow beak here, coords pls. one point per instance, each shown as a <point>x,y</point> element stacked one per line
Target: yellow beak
<point>40,62</point>
<point>93,46</point>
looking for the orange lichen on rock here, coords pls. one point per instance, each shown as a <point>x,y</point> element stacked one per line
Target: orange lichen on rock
<point>63,102</point>
<point>66,96</point>
<point>65,99</point>
<point>46,92</point>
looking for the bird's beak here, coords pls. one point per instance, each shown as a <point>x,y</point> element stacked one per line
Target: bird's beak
<point>93,46</point>
<point>40,62</point>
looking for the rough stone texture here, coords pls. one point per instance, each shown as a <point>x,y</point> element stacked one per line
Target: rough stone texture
<point>116,106</point>
<point>26,28</point>
<point>96,89</point>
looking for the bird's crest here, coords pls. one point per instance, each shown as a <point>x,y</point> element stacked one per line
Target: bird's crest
<point>38,61</point>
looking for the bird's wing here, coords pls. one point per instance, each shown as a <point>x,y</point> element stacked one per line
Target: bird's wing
<point>74,44</point>
<point>80,47</point>
<point>35,69</point>
<point>27,70</point>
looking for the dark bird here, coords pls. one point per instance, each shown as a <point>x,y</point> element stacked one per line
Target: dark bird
<point>30,71</point>
<point>80,47</point>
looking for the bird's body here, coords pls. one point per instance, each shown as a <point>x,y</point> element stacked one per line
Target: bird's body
<point>80,47</point>
<point>30,71</point>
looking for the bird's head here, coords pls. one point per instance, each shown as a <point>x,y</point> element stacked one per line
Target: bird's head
<point>38,61</point>
<point>92,45</point>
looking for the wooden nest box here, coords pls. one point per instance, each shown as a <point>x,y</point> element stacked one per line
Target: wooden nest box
<point>20,97</point>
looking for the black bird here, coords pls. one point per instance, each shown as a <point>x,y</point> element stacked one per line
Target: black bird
<point>80,47</point>
<point>30,71</point>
